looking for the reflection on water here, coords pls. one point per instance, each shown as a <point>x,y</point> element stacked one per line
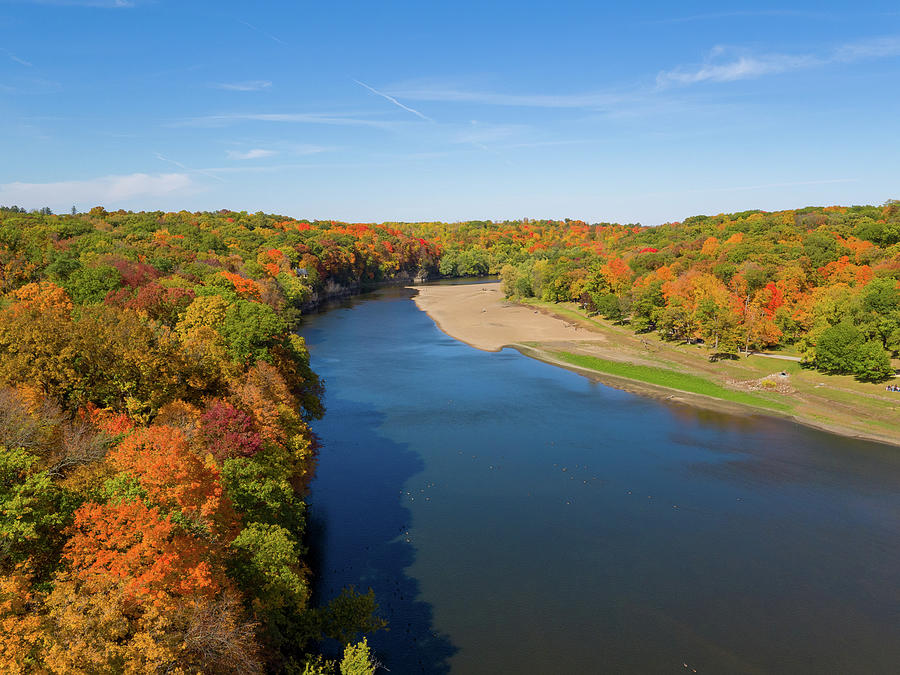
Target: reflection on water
<point>515,517</point>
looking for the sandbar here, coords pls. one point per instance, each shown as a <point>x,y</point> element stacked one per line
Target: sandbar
<point>479,315</point>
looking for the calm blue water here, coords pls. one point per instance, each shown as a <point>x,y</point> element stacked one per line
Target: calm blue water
<point>515,517</point>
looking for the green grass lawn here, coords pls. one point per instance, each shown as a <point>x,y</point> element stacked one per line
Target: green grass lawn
<point>671,379</point>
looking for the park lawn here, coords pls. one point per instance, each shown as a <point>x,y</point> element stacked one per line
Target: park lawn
<point>671,379</point>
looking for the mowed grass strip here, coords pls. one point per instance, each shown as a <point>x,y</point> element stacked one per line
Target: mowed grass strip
<point>671,379</point>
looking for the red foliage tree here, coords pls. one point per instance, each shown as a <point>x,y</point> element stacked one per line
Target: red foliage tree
<point>133,273</point>
<point>229,432</point>
<point>161,303</point>
<point>775,301</point>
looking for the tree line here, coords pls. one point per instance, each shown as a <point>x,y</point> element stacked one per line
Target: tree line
<point>823,280</point>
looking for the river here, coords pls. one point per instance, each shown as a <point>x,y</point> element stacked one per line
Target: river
<point>514,517</point>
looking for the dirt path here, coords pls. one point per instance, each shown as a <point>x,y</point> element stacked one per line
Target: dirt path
<point>783,357</point>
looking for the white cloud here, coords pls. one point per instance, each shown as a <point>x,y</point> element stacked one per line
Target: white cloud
<point>282,148</point>
<point>722,64</point>
<point>256,153</point>
<point>479,133</point>
<point>309,149</point>
<point>636,99</point>
<point>425,91</point>
<point>874,48</point>
<point>108,4</point>
<point>338,119</point>
<point>741,68</point>
<point>160,157</point>
<point>257,168</point>
<point>746,66</point>
<point>107,190</point>
<point>251,85</point>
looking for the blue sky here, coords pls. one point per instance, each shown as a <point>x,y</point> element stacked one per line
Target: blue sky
<point>374,111</point>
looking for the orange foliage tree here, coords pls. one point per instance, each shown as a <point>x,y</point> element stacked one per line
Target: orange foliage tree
<point>173,477</point>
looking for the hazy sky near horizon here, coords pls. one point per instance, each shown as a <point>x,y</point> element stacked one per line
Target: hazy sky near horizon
<point>374,111</point>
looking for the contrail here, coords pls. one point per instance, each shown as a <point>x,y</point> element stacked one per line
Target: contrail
<point>171,161</point>
<point>16,58</point>
<point>160,157</point>
<point>268,35</point>
<point>394,101</point>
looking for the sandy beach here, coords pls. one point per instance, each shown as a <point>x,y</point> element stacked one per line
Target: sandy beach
<point>480,316</point>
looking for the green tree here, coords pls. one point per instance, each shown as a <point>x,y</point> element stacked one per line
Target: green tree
<point>267,566</point>
<point>349,615</point>
<point>90,285</point>
<point>835,350</point>
<point>259,488</point>
<point>33,510</point>
<point>472,263</point>
<point>878,312</point>
<point>673,322</point>
<point>646,305</point>
<point>871,363</point>
<point>447,266</point>
<point>608,306</point>
<point>509,274</point>
<point>317,665</point>
<point>718,325</point>
<point>295,291</point>
<point>879,232</point>
<point>250,330</point>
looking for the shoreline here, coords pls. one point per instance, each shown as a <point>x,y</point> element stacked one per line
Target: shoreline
<point>480,318</point>
<point>671,395</point>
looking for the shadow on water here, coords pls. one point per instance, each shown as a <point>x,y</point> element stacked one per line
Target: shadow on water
<point>362,538</point>
<point>733,544</point>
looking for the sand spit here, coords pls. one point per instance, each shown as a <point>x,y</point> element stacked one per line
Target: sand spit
<point>480,316</point>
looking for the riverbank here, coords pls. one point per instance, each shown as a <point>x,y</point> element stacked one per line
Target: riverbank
<point>562,335</point>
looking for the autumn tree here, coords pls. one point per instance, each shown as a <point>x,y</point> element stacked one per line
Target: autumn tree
<point>173,477</point>
<point>103,355</point>
<point>105,630</point>
<point>147,554</point>
<point>22,630</point>
<point>229,432</point>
